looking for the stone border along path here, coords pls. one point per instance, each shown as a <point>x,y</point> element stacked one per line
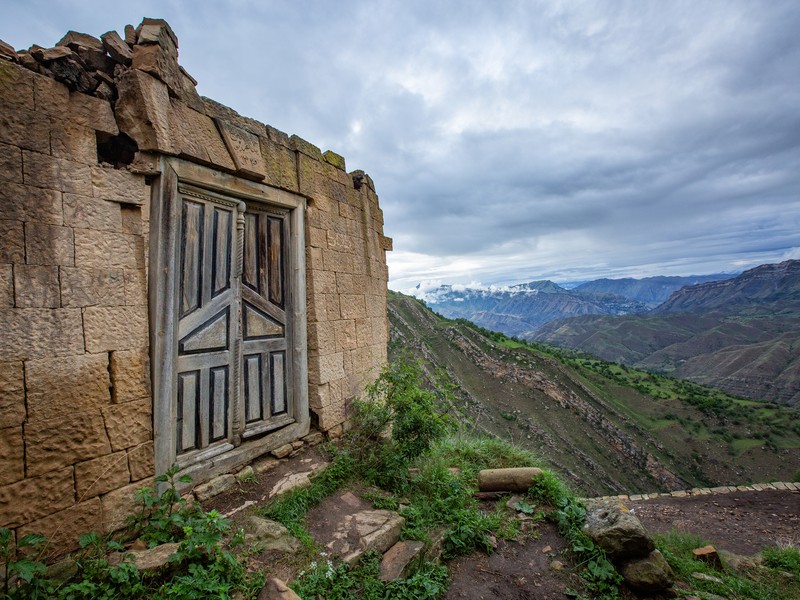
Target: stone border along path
<point>723,489</point>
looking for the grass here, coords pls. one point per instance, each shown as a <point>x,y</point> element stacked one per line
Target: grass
<point>765,582</point>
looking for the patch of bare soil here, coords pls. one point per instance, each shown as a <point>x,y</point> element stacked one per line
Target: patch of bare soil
<point>740,522</point>
<point>523,569</point>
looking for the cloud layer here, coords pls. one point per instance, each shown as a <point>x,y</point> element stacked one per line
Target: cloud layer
<point>518,140</point>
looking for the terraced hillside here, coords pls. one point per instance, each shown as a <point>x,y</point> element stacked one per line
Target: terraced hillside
<point>607,428</point>
<point>741,335</point>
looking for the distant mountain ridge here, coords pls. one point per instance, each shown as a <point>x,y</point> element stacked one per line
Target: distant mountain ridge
<point>650,290</point>
<point>741,335</point>
<point>520,310</point>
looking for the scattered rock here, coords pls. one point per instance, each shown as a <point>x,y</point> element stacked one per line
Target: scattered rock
<point>275,589</point>
<point>63,570</point>
<point>400,559</point>
<point>708,554</point>
<point>302,479</point>
<point>264,464</point>
<point>364,531</point>
<point>518,479</point>
<point>616,530</point>
<point>282,451</point>
<point>557,565</point>
<point>245,474</point>
<point>270,535</point>
<point>214,487</point>
<point>75,39</point>
<point>314,438</point>
<point>546,549</point>
<point>706,577</point>
<point>7,51</point>
<point>649,574</point>
<point>738,562</point>
<point>117,48</point>
<point>49,54</point>
<point>153,559</point>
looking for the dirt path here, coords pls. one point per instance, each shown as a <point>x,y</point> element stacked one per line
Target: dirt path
<point>740,522</point>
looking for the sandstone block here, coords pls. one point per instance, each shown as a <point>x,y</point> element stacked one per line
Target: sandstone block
<point>121,503</point>
<point>24,203</point>
<point>317,238</point>
<point>199,137</point>
<point>143,112</point>
<point>101,475</point>
<point>132,221</point>
<point>90,112</point>
<point>45,171</point>
<point>10,163</point>
<point>25,129</point>
<point>66,385</point>
<point>330,416</point>
<point>36,497</point>
<point>282,451</point>
<point>116,47</point>
<point>12,394</point>
<point>27,333</point>
<point>129,424</point>
<point>51,97</point>
<point>55,443</point>
<point>75,142</point>
<point>135,287</point>
<point>141,461</point>
<point>322,282</point>
<point>281,164</point>
<point>86,212</point>
<point>12,250</point>
<point>337,160</point>
<point>157,31</point>
<point>16,88</point>
<point>345,335</point>
<point>49,245</point>
<point>12,455</point>
<point>364,332</point>
<point>270,535</point>
<point>322,336</point>
<point>92,287</point>
<point>332,306</point>
<point>115,328</point>
<point>130,375</point>
<point>323,369</point>
<point>353,306</point>
<point>36,286</point>
<point>117,185</point>
<point>319,395</point>
<point>244,147</point>
<point>341,242</point>
<point>99,249</point>
<point>508,480</point>
<point>6,286</point>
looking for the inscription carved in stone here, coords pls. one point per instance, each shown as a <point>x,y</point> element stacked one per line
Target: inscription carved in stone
<point>244,148</point>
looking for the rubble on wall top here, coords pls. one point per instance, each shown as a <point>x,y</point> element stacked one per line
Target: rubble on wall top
<point>155,101</point>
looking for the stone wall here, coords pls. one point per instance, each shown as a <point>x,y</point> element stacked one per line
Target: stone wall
<point>75,395</point>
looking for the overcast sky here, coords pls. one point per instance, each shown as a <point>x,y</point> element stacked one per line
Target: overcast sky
<point>512,141</point>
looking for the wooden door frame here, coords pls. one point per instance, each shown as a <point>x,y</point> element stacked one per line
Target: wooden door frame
<point>164,251</point>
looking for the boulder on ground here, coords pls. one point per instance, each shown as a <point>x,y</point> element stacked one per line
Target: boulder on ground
<point>649,574</point>
<point>270,535</point>
<point>275,589</point>
<point>518,479</point>
<point>616,530</point>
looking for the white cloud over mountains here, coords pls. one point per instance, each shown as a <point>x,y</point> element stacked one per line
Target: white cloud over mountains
<point>512,141</point>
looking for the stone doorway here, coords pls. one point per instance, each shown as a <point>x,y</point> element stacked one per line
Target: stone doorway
<point>227,319</point>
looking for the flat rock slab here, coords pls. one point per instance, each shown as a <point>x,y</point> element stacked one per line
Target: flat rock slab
<point>400,559</point>
<point>299,479</point>
<point>267,534</point>
<point>348,526</point>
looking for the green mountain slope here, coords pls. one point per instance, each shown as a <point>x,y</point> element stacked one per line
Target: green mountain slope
<point>607,428</point>
<point>741,334</point>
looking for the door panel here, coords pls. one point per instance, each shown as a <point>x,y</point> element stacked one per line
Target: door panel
<point>265,320</point>
<point>207,307</point>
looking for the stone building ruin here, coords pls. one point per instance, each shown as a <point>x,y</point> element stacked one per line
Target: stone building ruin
<point>179,284</point>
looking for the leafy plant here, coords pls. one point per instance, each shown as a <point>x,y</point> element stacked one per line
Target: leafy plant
<point>786,559</point>
<point>21,576</point>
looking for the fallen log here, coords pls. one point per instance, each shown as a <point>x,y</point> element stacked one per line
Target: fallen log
<point>507,480</point>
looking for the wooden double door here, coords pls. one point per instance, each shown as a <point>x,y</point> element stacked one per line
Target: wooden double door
<point>233,352</point>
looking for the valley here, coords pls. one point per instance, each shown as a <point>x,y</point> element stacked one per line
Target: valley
<point>606,428</point>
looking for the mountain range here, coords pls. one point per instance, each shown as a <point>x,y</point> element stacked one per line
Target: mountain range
<point>522,309</point>
<point>741,334</point>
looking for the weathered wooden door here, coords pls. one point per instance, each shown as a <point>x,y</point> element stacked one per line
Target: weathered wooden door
<point>227,319</point>
<point>233,322</point>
